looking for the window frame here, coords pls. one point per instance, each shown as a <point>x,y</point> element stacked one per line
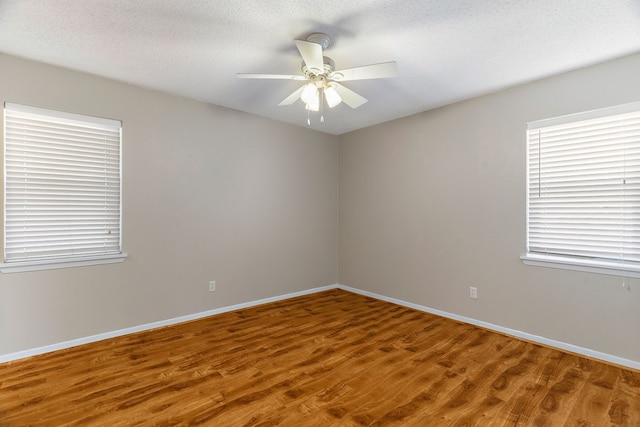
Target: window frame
<point>568,262</point>
<point>71,258</point>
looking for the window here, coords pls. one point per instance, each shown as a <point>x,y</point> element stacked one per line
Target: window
<point>583,191</point>
<point>62,189</point>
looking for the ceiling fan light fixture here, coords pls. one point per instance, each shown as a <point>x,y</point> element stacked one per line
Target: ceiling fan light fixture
<point>313,106</point>
<point>310,94</point>
<point>332,96</point>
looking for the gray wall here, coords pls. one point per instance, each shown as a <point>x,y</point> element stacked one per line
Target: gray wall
<point>428,206</point>
<point>435,203</point>
<point>208,194</point>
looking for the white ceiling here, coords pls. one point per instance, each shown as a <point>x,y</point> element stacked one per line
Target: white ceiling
<point>446,50</point>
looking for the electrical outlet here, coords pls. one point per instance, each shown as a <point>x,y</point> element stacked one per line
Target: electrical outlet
<point>473,292</point>
<point>212,286</point>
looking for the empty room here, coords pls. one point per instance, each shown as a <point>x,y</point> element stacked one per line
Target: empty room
<point>284,213</point>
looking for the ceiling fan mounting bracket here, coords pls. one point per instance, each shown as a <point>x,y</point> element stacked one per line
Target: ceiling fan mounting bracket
<point>321,38</point>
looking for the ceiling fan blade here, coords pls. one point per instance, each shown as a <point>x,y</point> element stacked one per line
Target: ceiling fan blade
<point>270,76</point>
<point>348,96</point>
<point>373,71</point>
<point>292,98</point>
<point>311,54</point>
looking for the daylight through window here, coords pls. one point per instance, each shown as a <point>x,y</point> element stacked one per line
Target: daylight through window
<point>62,186</point>
<point>583,188</point>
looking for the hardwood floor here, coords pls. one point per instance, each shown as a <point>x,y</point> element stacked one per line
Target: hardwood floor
<point>327,359</point>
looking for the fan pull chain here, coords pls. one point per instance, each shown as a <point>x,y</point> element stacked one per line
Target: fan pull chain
<point>322,106</point>
<point>308,119</point>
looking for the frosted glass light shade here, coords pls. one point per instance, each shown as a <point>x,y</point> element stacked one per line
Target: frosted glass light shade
<point>314,105</point>
<point>332,96</point>
<point>310,94</point>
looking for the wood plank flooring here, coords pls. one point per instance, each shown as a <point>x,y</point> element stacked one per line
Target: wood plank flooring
<point>329,359</point>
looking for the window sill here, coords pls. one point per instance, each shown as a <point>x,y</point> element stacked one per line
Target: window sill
<point>586,265</point>
<point>52,264</point>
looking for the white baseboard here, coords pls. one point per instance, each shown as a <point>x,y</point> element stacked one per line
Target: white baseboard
<point>518,334</point>
<point>106,335</point>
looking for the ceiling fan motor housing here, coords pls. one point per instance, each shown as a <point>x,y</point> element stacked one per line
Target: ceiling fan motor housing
<point>328,65</point>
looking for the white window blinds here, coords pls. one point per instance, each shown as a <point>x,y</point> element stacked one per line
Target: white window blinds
<point>584,185</point>
<point>62,184</point>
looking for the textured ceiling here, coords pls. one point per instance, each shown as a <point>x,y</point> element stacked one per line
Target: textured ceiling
<point>446,50</point>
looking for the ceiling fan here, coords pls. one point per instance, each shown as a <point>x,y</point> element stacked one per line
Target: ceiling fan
<point>323,79</point>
